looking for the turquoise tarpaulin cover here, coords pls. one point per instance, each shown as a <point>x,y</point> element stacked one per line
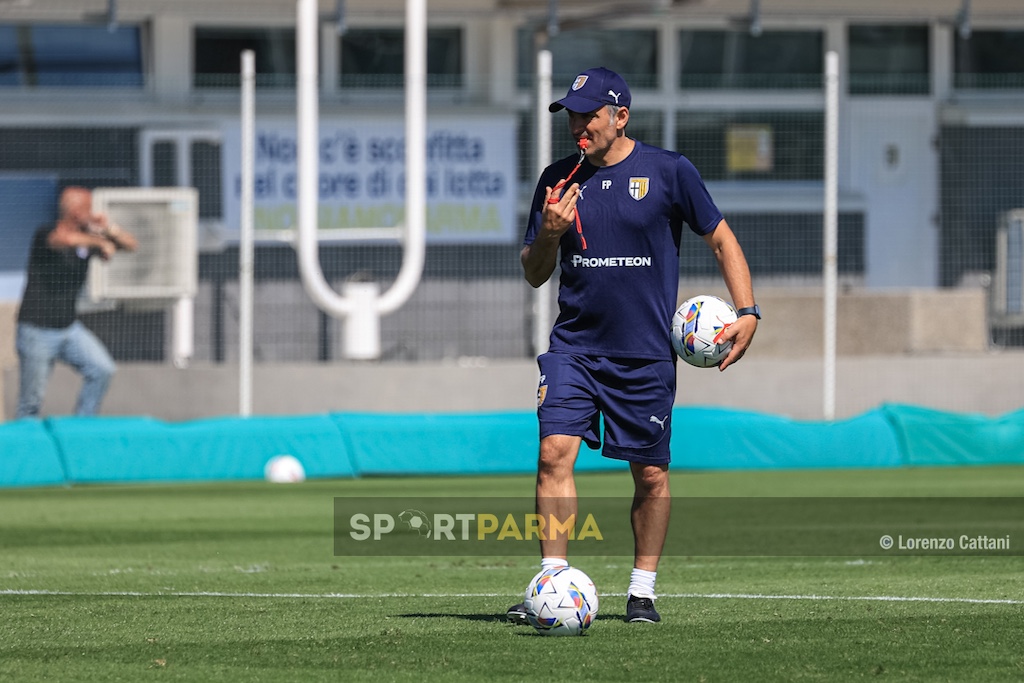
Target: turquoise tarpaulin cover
<point>29,455</point>
<point>144,449</point>
<point>934,437</point>
<point>445,443</point>
<point>714,438</point>
<point>112,449</point>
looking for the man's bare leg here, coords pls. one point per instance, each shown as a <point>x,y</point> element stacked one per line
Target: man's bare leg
<point>652,508</point>
<point>556,499</point>
<point>556,491</point>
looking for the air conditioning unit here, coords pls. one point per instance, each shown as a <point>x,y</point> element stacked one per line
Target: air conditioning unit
<point>1008,284</point>
<point>165,267</point>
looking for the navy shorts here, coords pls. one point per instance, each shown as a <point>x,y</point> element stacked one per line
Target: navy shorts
<point>635,397</point>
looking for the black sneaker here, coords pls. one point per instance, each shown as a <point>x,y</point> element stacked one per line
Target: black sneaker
<point>516,614</point>
<point>641,609</point>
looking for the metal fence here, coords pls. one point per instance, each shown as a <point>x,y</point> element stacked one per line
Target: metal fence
<point>761,155</point>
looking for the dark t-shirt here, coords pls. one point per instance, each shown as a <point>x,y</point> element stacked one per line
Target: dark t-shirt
<point>54,280</point>
<point>616,298</point>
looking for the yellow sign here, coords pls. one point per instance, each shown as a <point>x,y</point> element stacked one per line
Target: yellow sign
<point>749,148</point>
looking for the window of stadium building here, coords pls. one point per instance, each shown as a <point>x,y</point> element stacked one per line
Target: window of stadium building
<point>633,53</point>
<point>737,59</point>
<point>990,60</point>
<point>375,58</point>
<point>70,56</point>
<point>889,60</point>
<point>753,145</point>
<point>217,51</point>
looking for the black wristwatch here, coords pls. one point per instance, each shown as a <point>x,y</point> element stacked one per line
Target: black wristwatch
<point>754,310</point>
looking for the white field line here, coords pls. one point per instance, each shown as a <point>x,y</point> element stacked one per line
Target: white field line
<point>370,596</point>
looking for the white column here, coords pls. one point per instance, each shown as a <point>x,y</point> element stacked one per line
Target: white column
<point>542,295</point>
<point>246,236</point>
<point>830,276</point>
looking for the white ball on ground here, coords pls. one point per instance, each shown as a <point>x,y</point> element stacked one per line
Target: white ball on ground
<point>284,469</point>
<point>561,602</point>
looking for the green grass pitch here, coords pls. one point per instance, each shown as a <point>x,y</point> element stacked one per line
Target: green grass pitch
<point>239,582</point>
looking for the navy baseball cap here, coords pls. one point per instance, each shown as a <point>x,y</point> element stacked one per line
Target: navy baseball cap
<point>592,89</point>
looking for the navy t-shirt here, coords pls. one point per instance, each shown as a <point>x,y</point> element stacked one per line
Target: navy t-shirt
<point>616,298</point>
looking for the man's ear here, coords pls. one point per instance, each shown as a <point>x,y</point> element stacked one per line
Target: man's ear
<point>621,118</point>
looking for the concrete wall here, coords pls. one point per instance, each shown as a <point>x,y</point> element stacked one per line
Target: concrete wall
<point>872,323</point>
<point>988,384</point>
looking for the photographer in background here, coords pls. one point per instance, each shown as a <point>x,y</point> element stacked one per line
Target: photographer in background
<point>48,327</point>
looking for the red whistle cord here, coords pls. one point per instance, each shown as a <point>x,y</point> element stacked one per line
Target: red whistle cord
<point>582,143</point>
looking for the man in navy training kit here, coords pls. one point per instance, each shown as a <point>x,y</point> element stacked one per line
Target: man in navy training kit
<point>615,232</point>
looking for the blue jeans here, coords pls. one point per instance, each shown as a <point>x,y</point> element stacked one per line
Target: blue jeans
<point>40,347</point>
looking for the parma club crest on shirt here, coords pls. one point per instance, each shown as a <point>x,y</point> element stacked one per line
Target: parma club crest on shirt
<point>638,187</point>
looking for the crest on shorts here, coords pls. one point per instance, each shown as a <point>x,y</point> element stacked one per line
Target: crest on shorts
<point>542,393</point>
<point>580,81</point>
<point>638,187</point>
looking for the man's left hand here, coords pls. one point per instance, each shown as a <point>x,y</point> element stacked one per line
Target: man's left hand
<point>740,333</point>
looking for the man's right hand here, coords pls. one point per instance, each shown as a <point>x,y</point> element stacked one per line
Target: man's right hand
<point>559,212</point>
<point>105,249</point>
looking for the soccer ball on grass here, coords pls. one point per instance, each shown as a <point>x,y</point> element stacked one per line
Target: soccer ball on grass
<point>697,327</point>
<point>284,469</point>
<point>561,602</point>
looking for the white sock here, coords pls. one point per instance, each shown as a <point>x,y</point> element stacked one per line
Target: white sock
<point>552,563</point>
<point>641,583</point>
